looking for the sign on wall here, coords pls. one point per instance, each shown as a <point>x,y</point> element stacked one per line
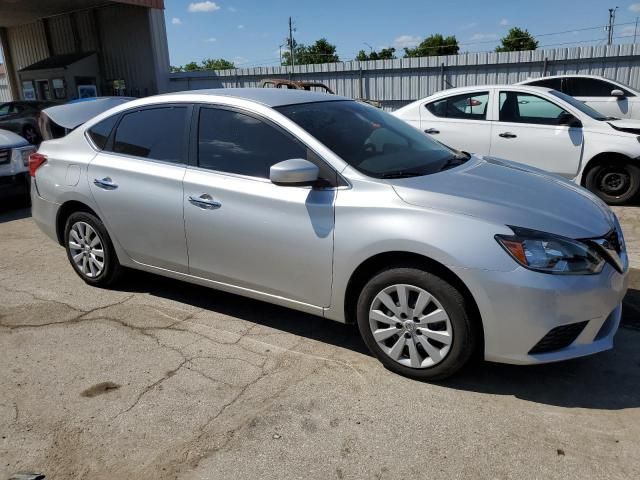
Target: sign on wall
<point>28,90</point>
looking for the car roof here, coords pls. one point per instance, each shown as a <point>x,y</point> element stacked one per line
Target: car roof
<point>271,97</point>
<point>479,88</point>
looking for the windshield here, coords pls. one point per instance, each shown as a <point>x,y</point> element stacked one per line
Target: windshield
<point>372,141</point>
<point>596,115</point>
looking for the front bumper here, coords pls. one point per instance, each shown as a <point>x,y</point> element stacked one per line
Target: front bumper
<point>519,308</point>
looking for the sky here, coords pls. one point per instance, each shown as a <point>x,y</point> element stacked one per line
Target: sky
<point>249,32</point>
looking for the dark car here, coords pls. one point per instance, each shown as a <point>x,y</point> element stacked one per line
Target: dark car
<point>22,118</point>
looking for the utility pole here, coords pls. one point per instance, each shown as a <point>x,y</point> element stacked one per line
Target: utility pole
<point>612,21</point>
<point>293,62</point>
<point>635,32</point>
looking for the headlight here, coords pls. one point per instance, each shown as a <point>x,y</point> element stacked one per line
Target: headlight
<point>548,253</point>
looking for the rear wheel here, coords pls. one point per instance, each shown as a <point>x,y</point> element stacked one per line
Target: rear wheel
<point>416,323</point>
<point>616,182</point>
<point>90,250</point>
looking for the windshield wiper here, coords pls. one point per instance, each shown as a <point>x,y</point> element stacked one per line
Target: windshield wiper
<point>455,160</point>
<point>402,174</point>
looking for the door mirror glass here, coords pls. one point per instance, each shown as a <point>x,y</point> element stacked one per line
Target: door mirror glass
<point>294,172</point>
<point>616,92</point>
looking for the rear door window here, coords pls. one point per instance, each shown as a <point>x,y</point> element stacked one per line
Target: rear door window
<point>468,106</point>
<point>153,133</point>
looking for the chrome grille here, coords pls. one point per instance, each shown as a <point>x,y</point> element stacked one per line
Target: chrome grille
<point>5,156</point>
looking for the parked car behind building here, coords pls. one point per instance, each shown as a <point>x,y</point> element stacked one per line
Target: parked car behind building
<point>613,99</point>
<point>537,126</point>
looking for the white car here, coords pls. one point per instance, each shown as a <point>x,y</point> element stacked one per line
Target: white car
<point>612,98</point>
<point>14,164</point>
<point>539,127</point>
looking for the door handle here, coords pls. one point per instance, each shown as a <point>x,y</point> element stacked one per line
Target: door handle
<point>205,201</point>
<point>507,135</point>
<point>432,131</point>
<point>106,183</point>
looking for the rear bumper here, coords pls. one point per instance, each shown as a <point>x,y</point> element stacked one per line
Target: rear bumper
<point>44,213</point>
<point>520,308</point>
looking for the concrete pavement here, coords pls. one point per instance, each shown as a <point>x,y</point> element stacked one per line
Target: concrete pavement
<point>161,379</point>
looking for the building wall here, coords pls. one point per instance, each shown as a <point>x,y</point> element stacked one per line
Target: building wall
<point>5,93</point>
<point>397,82</point>
<point>130,41</point>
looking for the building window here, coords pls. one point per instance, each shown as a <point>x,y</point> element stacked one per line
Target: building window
<point>59,89</point>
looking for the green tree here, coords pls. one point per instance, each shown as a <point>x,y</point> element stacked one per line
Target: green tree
<point>320,52</point>
<point>217,64</point>
<point>517,40</point>
<point>173,69</point>
<point>384,54</point>
<point>434,45</point>
<point>191,67</point>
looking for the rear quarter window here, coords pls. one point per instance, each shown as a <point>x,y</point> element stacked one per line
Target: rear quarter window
<point>100,132</point>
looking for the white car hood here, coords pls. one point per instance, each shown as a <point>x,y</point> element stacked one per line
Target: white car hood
<point>625,123</point>
<point>10,140</point>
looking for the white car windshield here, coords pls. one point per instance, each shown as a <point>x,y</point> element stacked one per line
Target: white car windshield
<point>372,141</point>
<point>593,113</point>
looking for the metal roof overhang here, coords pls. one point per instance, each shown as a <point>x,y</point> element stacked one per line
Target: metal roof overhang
<point>19,12</point>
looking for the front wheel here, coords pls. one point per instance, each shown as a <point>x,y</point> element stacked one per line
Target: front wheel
<point>90,250</point>
<point>616,183</point>
<point>416,323</point>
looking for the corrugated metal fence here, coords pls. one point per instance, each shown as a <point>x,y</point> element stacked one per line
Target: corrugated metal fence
<point>397,82</point>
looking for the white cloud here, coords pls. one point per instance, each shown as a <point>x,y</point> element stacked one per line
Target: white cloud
<point>407,41</point>
<point>211,39</point>
<point>504,22</point>
<point>478,37</point>
<point>199,7</point>
<point>634,7</point>
<point>240,27</point>
<point>176,21</point>
<point>232,9</point>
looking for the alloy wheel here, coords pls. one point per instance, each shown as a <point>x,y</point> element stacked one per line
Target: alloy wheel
<point>410,326</point>
<point>87,250</point>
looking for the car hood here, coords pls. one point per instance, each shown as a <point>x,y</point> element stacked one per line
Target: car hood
<point>509,193</point>
<point>9,140</point>
<point>625,123</point>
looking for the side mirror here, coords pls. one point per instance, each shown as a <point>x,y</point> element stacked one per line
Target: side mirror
<point>616,92</point>
<point>569,120</point>
<point>295,172</point>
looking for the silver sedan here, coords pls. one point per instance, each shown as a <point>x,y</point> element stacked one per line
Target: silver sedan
<point>335,208</point>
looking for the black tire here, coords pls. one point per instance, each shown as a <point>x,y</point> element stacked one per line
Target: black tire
<point>465,334</point>
<point>112,269</point>
<point>616,182</point>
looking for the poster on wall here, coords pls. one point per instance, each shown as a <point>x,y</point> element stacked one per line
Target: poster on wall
<point>87,91</point>
<point>28,91</point>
